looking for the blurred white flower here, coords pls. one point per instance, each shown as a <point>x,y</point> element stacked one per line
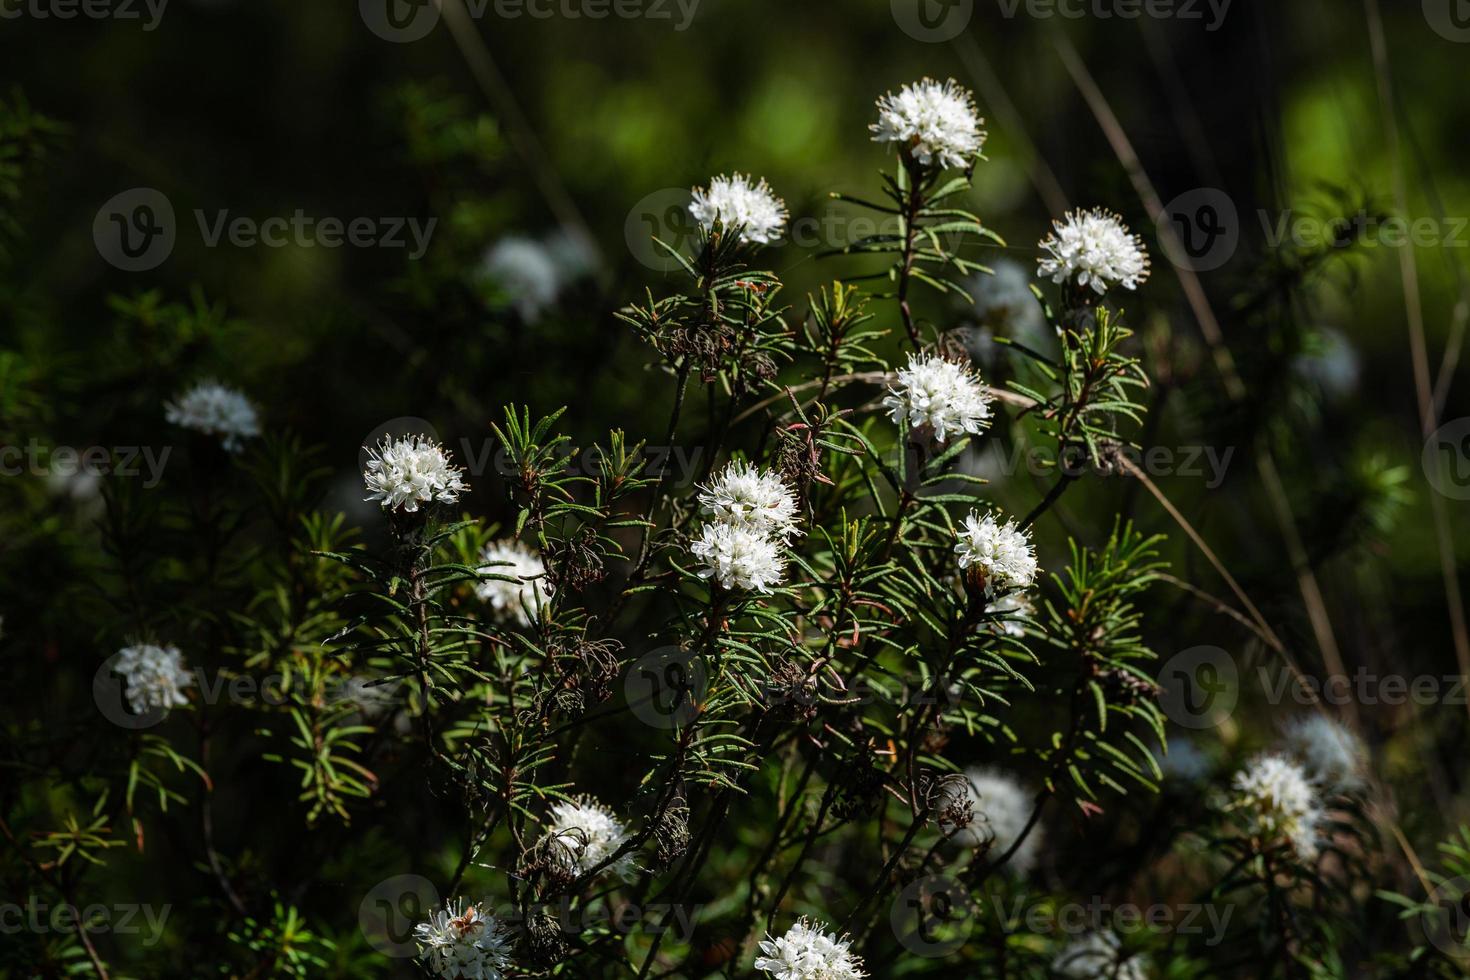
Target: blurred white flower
<point>518,600</point>
<point>82,486</point>
<point>215,410</point>
<point>1004,302</point>
<point>526,271</point>
<point>739,558</point>
<point>745,496</point>
<point>369,697</point>
<point>1002,552</point>
<point>1186,762</point>
<point>1098,956</point>
<point>1278,803</point>
<point>585,833</point>
<point>404,473</point>
<point>934,121</point>
<point>153,677</point>
<point>1331,362</point>
<point>1001,808</point>
<point>463,942</point>
<point>573,254</point>
<point>1095,248</point>
<point>1332,755</point>
<point>736,202</point>
<point>806,952</point>
<point>941,394</point>
<point>1013,607</point>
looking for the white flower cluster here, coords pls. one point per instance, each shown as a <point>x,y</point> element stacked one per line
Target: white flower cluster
<point>464,943</point>
<point>754,513</point>
<point>745,496</point>
<point>1000,807</point>
<point>1098,956</point>
<point>945,396</point>
<point>513,601</point>
<point>153,677</point>
<point>533,273</point>
<point>936,122</point>
<point>403,473</point>
<point>739,203</point>
<point>215,410</point>
<point>1279,803</point>
<point>585,833</point>
<point>807,952</point>
<point>1096,249</point>
<point>1001,552</point>
<point>1333,756</point>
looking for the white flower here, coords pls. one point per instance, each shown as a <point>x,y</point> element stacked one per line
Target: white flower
<point>153,677</point>
<point>744,496</point>
<point>215,410</point>
<point>807,952</point>
<point>517,600</point>
<point>735,202</point>
<point>1098,956</point>
<point>527,271</point>
<point>1002,552</point>
<point>1332,755</point>
<point>1097,249</point>
<point>1004,302</point>
<point>1331,362</point>
<point>585,833</point>
<point>464,943</point>
<point>935,121</point>
<point>1001,808</point>
<point>1186,762</point>
<point>369,698</point>
<point>941,394</point>
<point>739,558</point>
<point>1013,608</point>
<point>1279,803</point>
<point>403,473</point>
